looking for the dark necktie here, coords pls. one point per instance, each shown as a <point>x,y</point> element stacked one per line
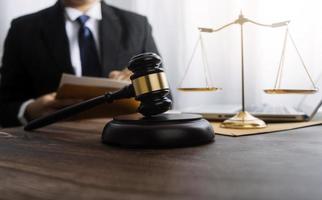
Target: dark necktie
<point>88,50</point>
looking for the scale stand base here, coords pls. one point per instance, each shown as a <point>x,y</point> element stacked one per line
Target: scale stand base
<point>162,131</point>
<point>244,120</point>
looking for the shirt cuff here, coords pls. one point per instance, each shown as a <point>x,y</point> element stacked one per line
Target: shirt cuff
<point>22,110</point>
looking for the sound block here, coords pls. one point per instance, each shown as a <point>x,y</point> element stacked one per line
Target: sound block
<point>162,131</point>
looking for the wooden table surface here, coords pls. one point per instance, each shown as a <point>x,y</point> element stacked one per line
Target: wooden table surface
<point>67,161</point>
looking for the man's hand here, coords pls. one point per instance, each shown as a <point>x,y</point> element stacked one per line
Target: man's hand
<point>45,105</point>
<point>123,75</point>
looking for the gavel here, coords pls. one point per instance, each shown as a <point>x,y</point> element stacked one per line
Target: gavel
<point>149,86</point>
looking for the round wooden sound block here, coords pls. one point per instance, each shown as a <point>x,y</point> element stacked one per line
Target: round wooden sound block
<point>162,131</point>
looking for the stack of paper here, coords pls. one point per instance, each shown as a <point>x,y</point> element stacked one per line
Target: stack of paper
<point>73,87</point>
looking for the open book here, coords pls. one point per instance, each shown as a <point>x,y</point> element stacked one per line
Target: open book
<point>73,87</point>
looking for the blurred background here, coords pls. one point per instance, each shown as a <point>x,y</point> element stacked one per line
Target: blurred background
<point>175,25</point>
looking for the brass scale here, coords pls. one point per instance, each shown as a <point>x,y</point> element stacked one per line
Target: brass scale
<point>243,119</point>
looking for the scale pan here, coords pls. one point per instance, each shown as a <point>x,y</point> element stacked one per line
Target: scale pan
<point>291,91</point>
<point>206,89</point>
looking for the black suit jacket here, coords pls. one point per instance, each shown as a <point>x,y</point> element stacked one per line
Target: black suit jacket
<point>37,53</point>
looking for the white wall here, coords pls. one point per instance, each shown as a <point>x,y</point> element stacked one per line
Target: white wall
<point>175,25</point>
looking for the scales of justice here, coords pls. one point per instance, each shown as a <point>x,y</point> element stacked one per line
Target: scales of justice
<point>243,119</point>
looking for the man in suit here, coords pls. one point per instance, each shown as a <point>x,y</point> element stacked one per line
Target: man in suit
<point>81,37</point>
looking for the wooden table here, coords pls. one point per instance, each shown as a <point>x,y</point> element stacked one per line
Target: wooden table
<point>67,161</point>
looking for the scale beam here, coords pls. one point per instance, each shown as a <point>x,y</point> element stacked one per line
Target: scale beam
<point>210,30</point>
<point>241,21</point>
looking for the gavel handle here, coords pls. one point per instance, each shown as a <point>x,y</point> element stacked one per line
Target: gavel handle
<point>126,92</point>
<point>66,112</point>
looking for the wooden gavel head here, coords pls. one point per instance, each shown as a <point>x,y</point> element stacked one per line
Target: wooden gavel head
<point>150,84</point>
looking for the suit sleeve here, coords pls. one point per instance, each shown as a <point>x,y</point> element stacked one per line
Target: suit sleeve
<point>149,45</point>
<point>13,79</point>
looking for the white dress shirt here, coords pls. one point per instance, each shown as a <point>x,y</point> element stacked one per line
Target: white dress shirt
<point>72,29</point>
